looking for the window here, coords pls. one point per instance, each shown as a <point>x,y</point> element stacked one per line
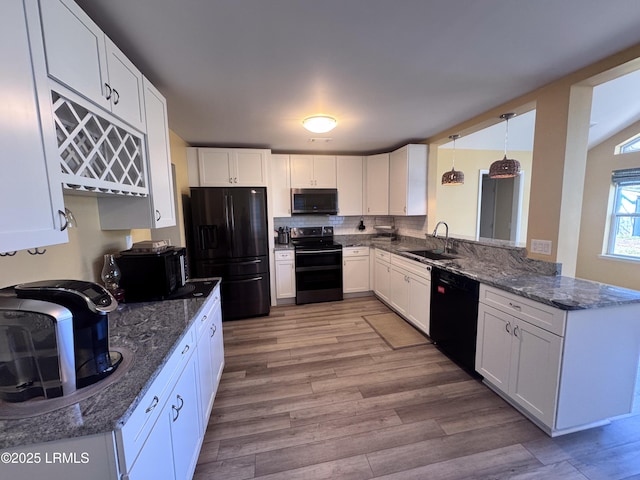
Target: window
<point>624,238</point>
<point>632,145</point>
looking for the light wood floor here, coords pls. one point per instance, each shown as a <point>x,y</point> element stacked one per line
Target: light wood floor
<point>312,392</point>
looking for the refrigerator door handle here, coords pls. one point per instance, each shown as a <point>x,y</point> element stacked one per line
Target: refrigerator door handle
<point>249,262</point>
<point>253,279</point>
<point>226,219</point>
<point>233,216</point>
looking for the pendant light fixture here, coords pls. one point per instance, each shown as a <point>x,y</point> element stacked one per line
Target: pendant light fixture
<point>453,177</point>
<point>319,123</point>
<point>507,167</point>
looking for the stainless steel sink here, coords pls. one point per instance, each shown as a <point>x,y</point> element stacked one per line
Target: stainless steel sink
<point>432,255</point>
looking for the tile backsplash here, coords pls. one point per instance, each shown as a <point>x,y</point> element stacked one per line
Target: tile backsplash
<point>407,226</point>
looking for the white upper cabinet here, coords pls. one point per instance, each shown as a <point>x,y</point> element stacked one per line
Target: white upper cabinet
<point>280,188</point>
<point>126,84</point>
<point>30,217</point>
<point>377,184</point>
<point>350,185</point>
<point>408,180</point>
<point>159,155</point>
<point>232,167</point>
<point>313,171</point>
<point>82,58</point>
<point>158,209</point>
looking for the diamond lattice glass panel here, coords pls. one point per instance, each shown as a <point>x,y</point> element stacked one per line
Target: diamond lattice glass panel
<point>95,153</point>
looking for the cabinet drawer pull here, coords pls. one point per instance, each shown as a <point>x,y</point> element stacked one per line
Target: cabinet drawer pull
<point>158,216</point>
<point>213,330</point>
<point>185,349</point>
<point>117,95</point>
<point>154,404</point>
<point>515,306</point>
<point>230,179</point>
<point>177,409</point>
<point>515,331</point>
<point>507,327</point>
<point>204,317</point>
<point>109,91</point>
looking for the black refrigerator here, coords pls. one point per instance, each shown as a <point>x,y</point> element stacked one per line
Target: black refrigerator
<point>229,239</point>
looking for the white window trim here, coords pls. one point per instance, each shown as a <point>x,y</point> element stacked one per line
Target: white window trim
<point>619,178</point>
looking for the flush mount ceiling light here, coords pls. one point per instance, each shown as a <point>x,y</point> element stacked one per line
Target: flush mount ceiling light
<point>319,123</point>
<point>453,177</point>
<point>507,167</point>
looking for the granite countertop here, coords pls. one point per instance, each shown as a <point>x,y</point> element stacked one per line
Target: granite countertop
<point>151,331</point>
<point>566,293</point>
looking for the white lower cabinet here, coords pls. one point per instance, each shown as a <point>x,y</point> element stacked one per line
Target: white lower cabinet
<point>163,436</point>
<point>156,458</point>
<point>419,302</point>
<point>210,356</point>
<point>181,412</point>
<point>410,290</point>
<point>285,274</point>
<point>382,274</point>
<point>355,269</point>
<point>519,359</point>
<point>566,370</point>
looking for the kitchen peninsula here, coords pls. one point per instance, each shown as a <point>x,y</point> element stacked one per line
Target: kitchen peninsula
<point>129,427</point>
<point>562,350</point>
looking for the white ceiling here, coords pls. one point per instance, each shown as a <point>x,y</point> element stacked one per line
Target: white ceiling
<point>246,72</point>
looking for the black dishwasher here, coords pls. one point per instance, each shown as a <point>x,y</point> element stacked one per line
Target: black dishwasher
<point>454,316</point>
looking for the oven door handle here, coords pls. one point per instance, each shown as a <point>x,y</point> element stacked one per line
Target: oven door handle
<point>311,252</point>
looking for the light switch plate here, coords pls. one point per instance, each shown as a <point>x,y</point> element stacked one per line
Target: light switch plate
<point>541,246</point>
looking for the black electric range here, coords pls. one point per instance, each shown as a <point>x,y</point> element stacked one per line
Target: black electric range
<point>318,265</point>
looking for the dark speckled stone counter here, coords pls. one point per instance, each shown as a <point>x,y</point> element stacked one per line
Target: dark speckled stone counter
<point>509,270</point>
<point>151,331</point>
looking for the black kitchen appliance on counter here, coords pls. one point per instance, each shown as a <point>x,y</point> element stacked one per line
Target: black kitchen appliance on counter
<point>318,265</point>
<point>152,275</point>
<point>454,316</point>
<point>54,338</point>
<point>229,239</point>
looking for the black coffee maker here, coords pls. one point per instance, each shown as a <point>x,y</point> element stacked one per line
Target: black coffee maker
<point>89,304</point>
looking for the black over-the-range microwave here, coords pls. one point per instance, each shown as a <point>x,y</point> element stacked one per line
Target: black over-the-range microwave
<point>305,201</point>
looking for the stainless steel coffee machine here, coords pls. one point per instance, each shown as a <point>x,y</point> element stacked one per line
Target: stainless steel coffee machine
<point>54,338</point>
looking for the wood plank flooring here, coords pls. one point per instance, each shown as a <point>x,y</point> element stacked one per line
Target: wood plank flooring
<point>312,392</point>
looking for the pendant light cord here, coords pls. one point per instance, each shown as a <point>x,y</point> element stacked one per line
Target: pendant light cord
<point>453,158</point>
<point>506,137</point>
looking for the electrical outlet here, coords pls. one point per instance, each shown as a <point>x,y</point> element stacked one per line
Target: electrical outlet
<point>541,246</point>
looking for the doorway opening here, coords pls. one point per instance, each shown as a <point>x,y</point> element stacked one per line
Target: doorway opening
<point>499,207</point>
